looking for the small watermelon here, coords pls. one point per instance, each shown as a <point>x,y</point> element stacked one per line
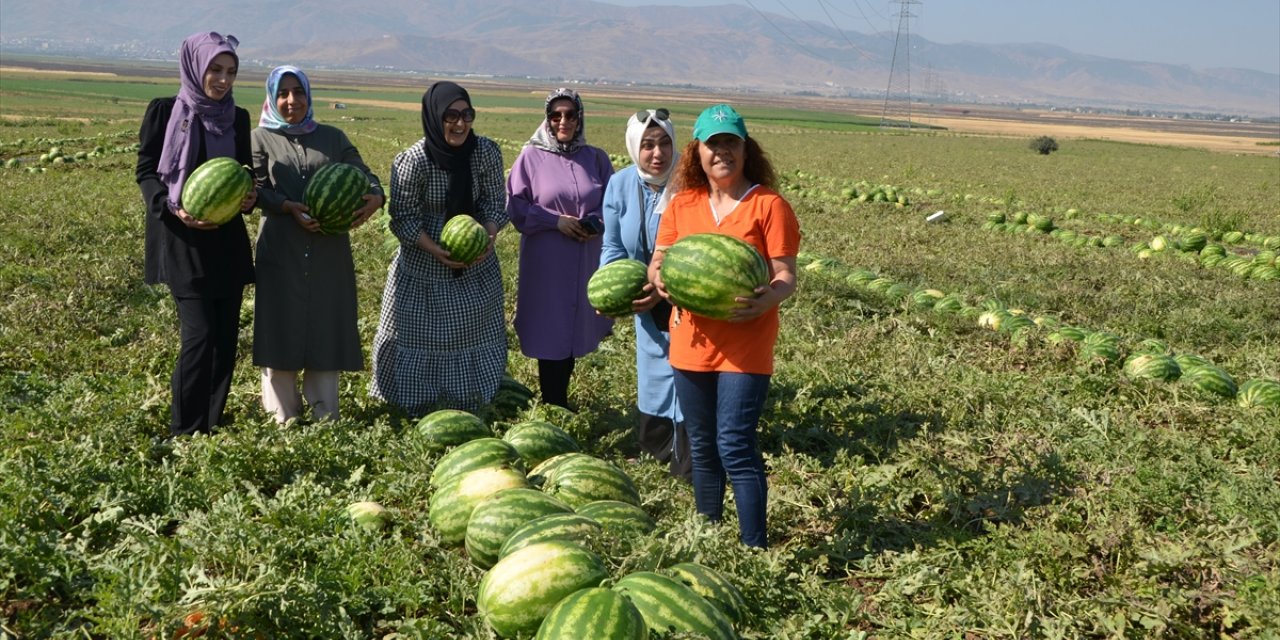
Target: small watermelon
<point>334,194</point>
<point>614,286</point>
<point>464,238</point>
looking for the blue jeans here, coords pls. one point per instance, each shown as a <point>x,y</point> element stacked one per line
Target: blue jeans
<point>722,413</point>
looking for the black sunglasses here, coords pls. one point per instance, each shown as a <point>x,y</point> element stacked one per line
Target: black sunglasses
<point>557,116</point>
<point>452,116</point>
<point>658,114</point>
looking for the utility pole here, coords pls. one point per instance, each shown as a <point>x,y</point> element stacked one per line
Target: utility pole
<point>897,97</point>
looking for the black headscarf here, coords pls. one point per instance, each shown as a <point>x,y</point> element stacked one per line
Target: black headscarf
<point>456,160</point>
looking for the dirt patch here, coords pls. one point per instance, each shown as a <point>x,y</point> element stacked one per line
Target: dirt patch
<point>1068,131</point>
<point>58,72</point>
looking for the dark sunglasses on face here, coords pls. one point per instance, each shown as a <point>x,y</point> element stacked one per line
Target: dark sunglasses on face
<point>557,116</point>
<point>452,116</point>
<point>658,114</point>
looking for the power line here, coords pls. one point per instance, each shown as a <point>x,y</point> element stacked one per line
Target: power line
<point>784,33</point>
<point>861,52</point>
<point>901,49</point>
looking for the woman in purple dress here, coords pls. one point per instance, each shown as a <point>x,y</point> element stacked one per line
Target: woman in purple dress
<point>556,199</point>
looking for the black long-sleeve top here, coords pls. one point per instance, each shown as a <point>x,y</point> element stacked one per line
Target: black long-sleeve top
<point>193,262</point>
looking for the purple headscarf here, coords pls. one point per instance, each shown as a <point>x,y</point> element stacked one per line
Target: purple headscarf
<point>217,117</point>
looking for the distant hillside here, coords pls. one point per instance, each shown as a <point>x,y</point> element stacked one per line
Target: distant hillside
<point>584,40</point>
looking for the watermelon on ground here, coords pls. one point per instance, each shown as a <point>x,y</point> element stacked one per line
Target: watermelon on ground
<point>452,504</point>
<point>569,527</point>
<point>623,518</point>
<point>537,440</point>
<point>593,614</point>
<point>451,427</point>
<point>522,588</point>
<point>495,517</point>
<point>471,455</point>
<point>667,605</point>
<point>1259,392</point>
<point>716,587</point>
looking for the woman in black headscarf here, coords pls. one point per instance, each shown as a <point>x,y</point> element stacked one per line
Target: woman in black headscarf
<point>442,338</point>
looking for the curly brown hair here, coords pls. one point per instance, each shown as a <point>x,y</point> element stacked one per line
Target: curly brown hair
<point>756,167</point>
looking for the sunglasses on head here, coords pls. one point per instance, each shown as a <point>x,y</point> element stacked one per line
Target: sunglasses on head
<point>557,116</point>
<point>452,116</point>
<point>658,114</point>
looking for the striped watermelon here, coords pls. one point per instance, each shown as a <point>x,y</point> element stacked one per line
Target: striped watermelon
<point>712,585</point>
<point>334,194</point>
<point>476,454</point>
<point>1259,392</point>
<point>512,397</point>
<point>926,298</point>
<point>371,516</point>
<point>622,518</point>
<point>544,473</point>
<point>1016,323</point>
<point>667,606</point>
<point>1232,237</point>
<point>569,527</point>
<point>495,517</point>
<point>1101,345</point>
<point>580,484</point>
<point>1153,345</point>
<point>1194,241</point>
<point>453,502</point>
<point>214,191</point>
<point>537,440</point>
<point>949,304</point>
<point>522,588</point>
<point>1152,366</point>
<point>1188,360</point>
<point>593,614</point>
<point>450,427</point>
<point>464,238</point>
<point>705,273</point>
<point>614,286</point>
<point>1210,379</point>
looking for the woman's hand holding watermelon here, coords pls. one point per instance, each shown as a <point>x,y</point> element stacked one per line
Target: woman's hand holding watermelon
<point>372,203</point>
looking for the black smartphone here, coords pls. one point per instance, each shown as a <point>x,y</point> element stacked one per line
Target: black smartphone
<point>593,225</point>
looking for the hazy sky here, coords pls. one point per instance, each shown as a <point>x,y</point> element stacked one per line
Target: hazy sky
<point>1199,34</point>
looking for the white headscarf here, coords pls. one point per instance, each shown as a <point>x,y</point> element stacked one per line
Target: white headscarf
<point>635,131</point>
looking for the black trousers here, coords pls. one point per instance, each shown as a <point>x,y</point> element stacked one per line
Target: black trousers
<point>201,378</point>
<point>667,442</point>
<point>553,379</point>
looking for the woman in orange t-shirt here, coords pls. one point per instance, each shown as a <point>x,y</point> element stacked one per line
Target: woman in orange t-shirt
<point>722,367</point>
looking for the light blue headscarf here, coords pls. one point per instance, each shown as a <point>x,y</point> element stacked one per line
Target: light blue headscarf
<point>271,118</point>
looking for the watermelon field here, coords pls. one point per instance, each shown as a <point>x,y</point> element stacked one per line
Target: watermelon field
<point>1051,413</point>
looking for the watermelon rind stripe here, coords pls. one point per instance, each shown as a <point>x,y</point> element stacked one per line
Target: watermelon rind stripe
<point>593,614</point>
<point>668,605</point>
<point>522,588</point>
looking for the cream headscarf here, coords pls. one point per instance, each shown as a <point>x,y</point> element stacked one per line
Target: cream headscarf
<point>635,131</point>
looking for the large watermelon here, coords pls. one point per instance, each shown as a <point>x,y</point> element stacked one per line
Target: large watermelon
<point>614,286</point>
<point>453,503</point>
<point>475,454</point>
<point>450,427</point>
<point>580,484</point>
<point>705,273</point>
<point>667,605</point>
<point>522,588</point>
<point>569,527</point>
<point>593,614</point>
<point>214,191</point>
<point>1210,379</point>
<point>495,517</point>
<point>334,194</point>
<point>712,585</point>
<point>545,472</point>
<point>538,440</point>
<point>1259,392</point>
<point>464,238</point>
<point>623,518</point>
<point>1152,366</point>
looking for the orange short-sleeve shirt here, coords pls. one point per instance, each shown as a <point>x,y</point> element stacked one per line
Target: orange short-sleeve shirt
<point>764,219</point>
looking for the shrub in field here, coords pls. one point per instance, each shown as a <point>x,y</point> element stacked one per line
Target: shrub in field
<point>1044,145</point>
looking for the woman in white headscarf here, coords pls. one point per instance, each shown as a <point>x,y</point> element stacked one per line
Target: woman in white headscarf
<point>633,204</point>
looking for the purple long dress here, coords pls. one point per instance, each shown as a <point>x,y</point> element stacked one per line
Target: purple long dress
<point>553,319</point>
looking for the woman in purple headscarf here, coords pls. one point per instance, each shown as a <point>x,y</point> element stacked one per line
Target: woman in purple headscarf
<point>305,308</point>
<point>442,337</point>
<point>206,266</point>
<point>556,200</point>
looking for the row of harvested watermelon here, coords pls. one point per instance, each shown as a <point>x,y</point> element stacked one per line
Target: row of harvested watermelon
<point>536,533</point>
<point>1093,346</point>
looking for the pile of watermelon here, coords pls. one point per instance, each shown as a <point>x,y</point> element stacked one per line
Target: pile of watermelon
<point>533,510</point>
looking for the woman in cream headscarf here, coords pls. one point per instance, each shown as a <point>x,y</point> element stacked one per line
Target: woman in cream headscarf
<point>633,206</point>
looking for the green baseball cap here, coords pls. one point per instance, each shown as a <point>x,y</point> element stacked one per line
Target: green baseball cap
<point>720,118</point>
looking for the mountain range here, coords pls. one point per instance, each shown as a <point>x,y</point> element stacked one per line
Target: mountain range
<point>708,47</point>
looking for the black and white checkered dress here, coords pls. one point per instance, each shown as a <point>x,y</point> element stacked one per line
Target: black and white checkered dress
<point>441,338</point>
